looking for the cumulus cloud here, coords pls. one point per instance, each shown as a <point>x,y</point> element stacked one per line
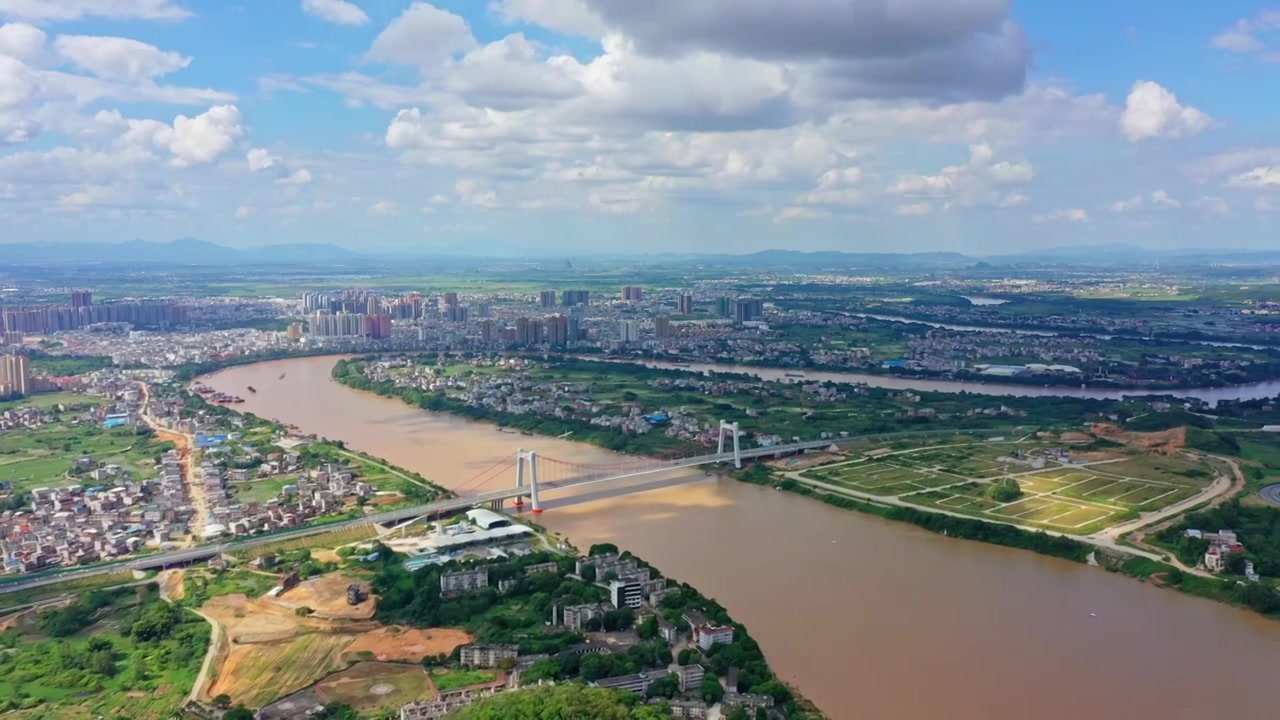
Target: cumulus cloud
<point>386,208</point>
<point>855,48</point>
<point>1134,203</point>
<point>117,58</point>
<point>261,159</point>
<point>62,10</point>
<point>1070,215</point>
<point>976,182</point>
<point>1242,38</point>
<point>1161,199</point>
<point>1257,178</point>
<point>341,12</point>
<point>422,35</point>
<point>913,209</point>
<point>1151,111</point>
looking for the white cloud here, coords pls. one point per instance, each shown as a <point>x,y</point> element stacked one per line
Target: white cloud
<point>60,10</point>
<point>1151,111</point>
<point>1014,199</point>
<point>385,208</point>
<point>1210,205</point>
<point>301,176</point>
<point>570,16</point>
<point>913,209</point>
<point>336,11</point>
<point>261,159</point>
<point>1134,203</point>
<point>1266,205</point>
<point>971,184</point>
<point>22,42</point>
<point>202,139</point>
<point>1242,37</point>
<point>1161,199</point>
<point>92,195</point>
<point>117,58</point>
<point>244,211</point>
<point>475,193</point>
<point>789,213</point>
<point>1259,177</point>
<point>1073,215</point>
<point>440,199</point>
<point>422,35</point>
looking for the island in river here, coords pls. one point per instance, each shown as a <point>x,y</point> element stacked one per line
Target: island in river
<point>984,630</point>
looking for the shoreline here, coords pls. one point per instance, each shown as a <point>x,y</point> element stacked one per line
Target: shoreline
<point>1131,561</point>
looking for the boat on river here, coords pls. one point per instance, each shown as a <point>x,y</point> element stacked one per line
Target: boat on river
<point>252,389</point>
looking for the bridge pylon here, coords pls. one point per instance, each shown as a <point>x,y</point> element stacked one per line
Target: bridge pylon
<point>528,478</point>
<point>732,429</point>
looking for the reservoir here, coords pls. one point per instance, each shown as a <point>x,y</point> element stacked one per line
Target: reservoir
<point>869,618</point>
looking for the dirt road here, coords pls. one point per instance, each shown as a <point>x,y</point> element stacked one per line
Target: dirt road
<point>189,455</point>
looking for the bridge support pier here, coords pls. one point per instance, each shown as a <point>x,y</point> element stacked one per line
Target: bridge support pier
<point>519,478</point>
<point>529,457</point>
<point>732,429</point>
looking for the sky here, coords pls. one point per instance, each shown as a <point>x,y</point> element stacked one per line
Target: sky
<point>586,126</point>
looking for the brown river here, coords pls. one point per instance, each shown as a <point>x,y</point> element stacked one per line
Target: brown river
<point>869,618</point>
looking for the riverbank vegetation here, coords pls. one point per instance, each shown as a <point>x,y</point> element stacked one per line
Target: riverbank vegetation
<point>591,401</point>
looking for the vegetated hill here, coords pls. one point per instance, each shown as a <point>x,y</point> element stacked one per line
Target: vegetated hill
<point>184,251</point>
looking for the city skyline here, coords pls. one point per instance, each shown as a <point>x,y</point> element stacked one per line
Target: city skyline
<point>519,126</point>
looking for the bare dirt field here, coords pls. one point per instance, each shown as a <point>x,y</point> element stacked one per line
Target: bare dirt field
<point>325,555</point>
<point>273,651</point>
<point>327,596</point>
<point>1167,442</point>
<point>172,586</point>
<point>1070,436</point>
<point>408,644</point>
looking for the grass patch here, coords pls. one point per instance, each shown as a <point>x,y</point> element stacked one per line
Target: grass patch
<point>446,680</point>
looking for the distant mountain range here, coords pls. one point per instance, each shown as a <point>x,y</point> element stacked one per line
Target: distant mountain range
<point>190,251</point>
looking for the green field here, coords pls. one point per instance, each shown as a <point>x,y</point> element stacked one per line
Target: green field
<point>47,401</point>
<point>259,491</point>
<point>1079,499</point>
<point>45,457</point>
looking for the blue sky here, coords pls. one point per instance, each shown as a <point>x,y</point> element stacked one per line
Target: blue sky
<point>521,126</point>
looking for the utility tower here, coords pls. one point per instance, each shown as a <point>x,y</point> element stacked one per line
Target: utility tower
<point>528,478</point>
<point>732,429</point>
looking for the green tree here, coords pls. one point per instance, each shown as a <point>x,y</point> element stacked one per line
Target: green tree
<point>711,690</point>
<point>222,702</point>
<point>238,712</point>
<point>648,629</point>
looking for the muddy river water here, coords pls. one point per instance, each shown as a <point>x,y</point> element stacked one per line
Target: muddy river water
<point>870,618</point>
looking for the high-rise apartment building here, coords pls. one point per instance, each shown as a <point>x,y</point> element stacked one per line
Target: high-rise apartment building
<point>746,310</point>
<point>530,331</point>
<point>632,293</point>
<point>629,331</point>
<point>662,327</point>
<point>486,331</point>
<point>15,375</point>
<point>686,303</point>
<point>577,297</point>
<point>451,298</point>
<point>81,298</point>
<point>557,330</point>
<point>547,298</point>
